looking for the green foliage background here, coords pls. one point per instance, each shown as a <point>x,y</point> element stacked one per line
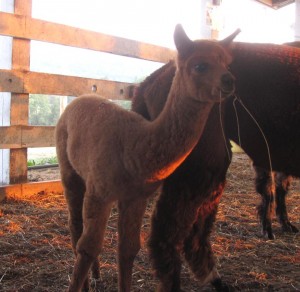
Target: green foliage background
<point>43,109</point>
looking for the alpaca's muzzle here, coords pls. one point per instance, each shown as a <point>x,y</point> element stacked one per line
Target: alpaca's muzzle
<point>227,84</point>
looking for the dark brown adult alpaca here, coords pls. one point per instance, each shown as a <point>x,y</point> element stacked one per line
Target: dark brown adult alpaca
<point>274,187</point>
<point>267,81</point>
<point>269,86</point>
<point>108,154</point>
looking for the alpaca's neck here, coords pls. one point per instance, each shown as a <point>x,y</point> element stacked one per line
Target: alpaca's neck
<point>173,135</point>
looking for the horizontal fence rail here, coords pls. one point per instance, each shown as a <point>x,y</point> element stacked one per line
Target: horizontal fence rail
<point>26,189</point>
<point>34,29</point>
<point>43,83</point>
<point>22,136</point>
<point>21,82</point>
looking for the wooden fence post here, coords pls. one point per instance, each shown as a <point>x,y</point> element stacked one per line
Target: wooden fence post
<point>5,97</point>
<point>297,21</point>
<point>20,102</point>
<point>17,81</point>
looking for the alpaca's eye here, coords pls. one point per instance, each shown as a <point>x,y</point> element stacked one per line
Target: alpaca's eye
<point>202,67</point>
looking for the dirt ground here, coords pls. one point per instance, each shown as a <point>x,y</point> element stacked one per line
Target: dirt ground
<point>36,253</point>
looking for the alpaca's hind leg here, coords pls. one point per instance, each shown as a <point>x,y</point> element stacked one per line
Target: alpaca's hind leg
<point>74,189</point>
<point>129,227</point>
<point>265,188</point>
<point>96,269</point>
<point>197,247</point>
<point>74,193</point>
<point>282,187</point>
<point>95,216</point>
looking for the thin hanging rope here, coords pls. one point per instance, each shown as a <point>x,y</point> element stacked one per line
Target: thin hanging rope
<point>237,121</point>
<point>222,127</point>
<point>261,131</point>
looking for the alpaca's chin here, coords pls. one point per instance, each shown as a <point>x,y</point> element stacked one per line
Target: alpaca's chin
<point>219,95</point>
<point>225,93</point>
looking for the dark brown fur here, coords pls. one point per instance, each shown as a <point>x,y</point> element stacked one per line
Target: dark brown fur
<point>273,188</point>
<point>108,154</point>
<point>268,84</point>
<point>199,181</point>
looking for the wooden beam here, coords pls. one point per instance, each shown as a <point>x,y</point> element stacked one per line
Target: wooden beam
<point>18,166</point>
<point>19,108</point>
<point>12,81</point>
<point>15,137</point>
<point>38,136</point>
<point>25,189</point>
<point>10,137</point>
<point>35,29</point>
<point>43,83</point>
<point>5,62</point>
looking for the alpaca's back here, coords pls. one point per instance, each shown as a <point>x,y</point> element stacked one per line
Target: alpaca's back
<point>268,83</point>
<point>95,139</point>
<point>80,133</point>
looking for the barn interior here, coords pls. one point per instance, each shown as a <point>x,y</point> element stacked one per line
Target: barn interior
<point>53,51</point>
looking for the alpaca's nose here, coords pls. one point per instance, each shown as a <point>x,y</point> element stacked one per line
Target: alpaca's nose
<point>227,81</point>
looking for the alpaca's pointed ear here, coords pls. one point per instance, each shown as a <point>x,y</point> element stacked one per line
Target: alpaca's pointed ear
<point>182,42</point>
<point>227,41</point>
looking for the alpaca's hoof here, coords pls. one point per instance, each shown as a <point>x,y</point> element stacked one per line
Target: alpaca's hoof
<point>86,286</point>
<point>163,288</point>
<point>95,269</point>
<point>268,234</point>
<point>289,227</point>
<point>220,286</point>
<point>211,277</point>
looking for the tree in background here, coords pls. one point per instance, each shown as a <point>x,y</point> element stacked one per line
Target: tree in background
<point>43,109</point>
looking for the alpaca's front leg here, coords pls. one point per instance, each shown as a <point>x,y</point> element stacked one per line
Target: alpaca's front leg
<point>129,228</point>
<point>197,247</point>
<point>95,216</point>
<point>172,220</point>
<point>265,187</point>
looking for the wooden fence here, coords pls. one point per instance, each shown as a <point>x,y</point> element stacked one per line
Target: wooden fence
<point>21,82</point>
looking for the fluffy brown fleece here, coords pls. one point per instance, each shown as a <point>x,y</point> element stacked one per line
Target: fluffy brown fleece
<point>108,154</point>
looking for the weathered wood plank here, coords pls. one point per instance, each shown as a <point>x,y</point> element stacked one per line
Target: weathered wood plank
<point>38,136</point>
<point>10,137</point>
<point>20,102</point>
<point>35,29</point>
<point>14,137</point>
<point>23,7</point>
<point>43,83</point>
<point>19,109</point>
<point>18,166</point>
<point>72,86</point>
<point>26,189</point>
<point>12,81</point>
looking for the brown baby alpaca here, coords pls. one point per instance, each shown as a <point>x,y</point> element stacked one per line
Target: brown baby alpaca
<point>108,154</point>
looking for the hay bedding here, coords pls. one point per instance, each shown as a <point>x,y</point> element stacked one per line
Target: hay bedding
<point>36,253</point>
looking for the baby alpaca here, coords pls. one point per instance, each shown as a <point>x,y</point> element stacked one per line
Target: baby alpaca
<point>108,154</point>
